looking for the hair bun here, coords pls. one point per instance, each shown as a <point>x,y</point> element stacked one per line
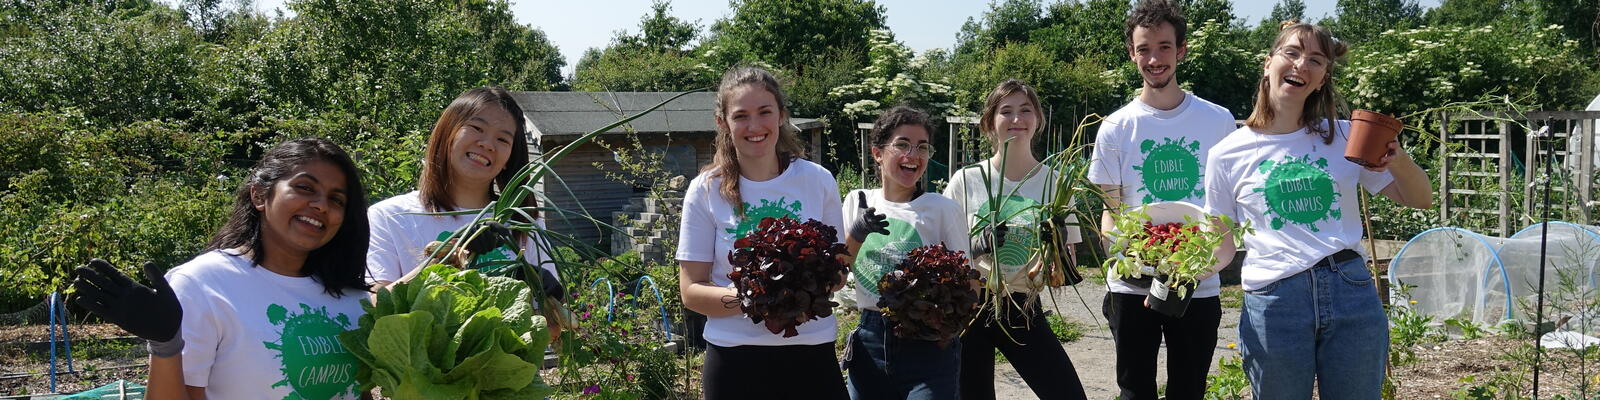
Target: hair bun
<point>1287,23</point>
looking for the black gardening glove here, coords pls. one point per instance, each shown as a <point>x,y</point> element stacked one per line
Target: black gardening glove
<point>1047,231</point>
<point>981,245</point>
<point>150,313</point>
<point>490,237</point>
<point>549,285</point>
<point>869,221</point>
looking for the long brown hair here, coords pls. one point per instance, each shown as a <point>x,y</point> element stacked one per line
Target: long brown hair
<point>433,186</point>
<point>991,106</point>
<point>1325,103</point>
<point>725,163</point>
<point>339,264</point>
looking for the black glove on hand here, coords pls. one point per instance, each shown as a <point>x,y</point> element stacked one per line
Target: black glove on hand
<point>868,222</point>
<point>152,314</point>
<point>489,237</point>
<point>549,285</point>
<point>1047,230</point>
<point>981,245</point>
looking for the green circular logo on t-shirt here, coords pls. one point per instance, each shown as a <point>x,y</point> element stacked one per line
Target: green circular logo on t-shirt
<point>881,253</point>
<point>1021,225</point>
<point>504,252</point>
<point>1171,170</point>
<point>1300,191</point>
<point>768,208</point>
<point>315,365</point>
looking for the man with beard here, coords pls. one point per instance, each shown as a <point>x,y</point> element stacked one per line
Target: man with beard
<point>1153,150</point>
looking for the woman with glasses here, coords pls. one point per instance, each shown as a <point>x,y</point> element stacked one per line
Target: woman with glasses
<point>1311,312</point>
<point>885,224</point>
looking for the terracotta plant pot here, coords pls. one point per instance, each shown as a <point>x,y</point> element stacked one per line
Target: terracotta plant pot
<point>1370,134</point>
<point>1165,300</point>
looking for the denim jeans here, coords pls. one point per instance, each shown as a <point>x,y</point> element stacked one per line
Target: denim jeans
<point>883,366</point>
<point>1325,323</point>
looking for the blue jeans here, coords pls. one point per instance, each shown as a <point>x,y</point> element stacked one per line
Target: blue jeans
<point>883,366</point>
<point>1324,323</point>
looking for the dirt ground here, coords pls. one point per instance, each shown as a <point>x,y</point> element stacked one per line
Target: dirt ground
<point>1093,355</point>
<point>1437,373</point>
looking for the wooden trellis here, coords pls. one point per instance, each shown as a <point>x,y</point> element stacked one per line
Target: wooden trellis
<point>1489,166</point>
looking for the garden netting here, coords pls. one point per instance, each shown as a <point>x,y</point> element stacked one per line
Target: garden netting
<point>1454,273</point>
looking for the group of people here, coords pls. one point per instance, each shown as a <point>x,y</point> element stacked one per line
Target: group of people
<point>1311,318</point>
<point>257,314</point>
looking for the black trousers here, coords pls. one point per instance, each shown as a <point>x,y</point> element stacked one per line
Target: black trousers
<point>1024,336</point>
<point>756,372</point>
<point>1138,331</point>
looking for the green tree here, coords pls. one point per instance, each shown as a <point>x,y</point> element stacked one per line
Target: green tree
<point>1360,20</point>
<point>1005,22</point>
<point>1222,67</point>
<point>661,31</point>
<point>656,60</point>
<point>1285,10</point>
<point>1091,29</point>
<point>1403,71</point>
<point>1197,12</point>
<point>1469,12</point>
<point>894,77</point>
<point>792,34</point>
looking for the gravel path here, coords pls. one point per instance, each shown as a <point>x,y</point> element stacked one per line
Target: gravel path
<point>1093,355</point>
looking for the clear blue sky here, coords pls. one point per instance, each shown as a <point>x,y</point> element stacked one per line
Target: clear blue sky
<point>922,24</point>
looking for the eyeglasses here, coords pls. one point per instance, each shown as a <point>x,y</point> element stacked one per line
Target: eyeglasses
<point>920,150</point>
<point>1293,55</point>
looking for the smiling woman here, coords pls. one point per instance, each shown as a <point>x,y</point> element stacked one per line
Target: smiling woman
<point>474,151</point>
<point>248,332</point>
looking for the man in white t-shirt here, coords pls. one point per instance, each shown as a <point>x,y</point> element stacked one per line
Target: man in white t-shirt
<point>1153,150</point>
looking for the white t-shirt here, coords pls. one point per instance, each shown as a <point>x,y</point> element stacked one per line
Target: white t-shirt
<point>1022,228</point>
<point>400,237</point>
<point>928,219</point>
<point>803,191</point>
<point>1298,194</point>
<point>1159,155</point>
<point>250,333</point>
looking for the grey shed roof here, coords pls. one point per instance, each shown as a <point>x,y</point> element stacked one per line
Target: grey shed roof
<point>571,114</point>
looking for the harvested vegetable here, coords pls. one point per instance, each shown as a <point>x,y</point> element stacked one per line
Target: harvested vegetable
<point>783,271</point>
<point>930,295</point>
<point>449,334</point>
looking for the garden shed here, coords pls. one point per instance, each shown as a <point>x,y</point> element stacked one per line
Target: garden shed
<point>680,133</point>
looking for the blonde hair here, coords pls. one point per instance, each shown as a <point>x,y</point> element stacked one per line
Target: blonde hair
<point>1324,103</point>
<point>725,162</point>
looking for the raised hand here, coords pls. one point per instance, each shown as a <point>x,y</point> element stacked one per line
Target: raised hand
<point>869,221</point>
<point>150,313</point>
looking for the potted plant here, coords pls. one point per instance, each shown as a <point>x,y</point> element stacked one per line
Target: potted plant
<point>1170,243</point>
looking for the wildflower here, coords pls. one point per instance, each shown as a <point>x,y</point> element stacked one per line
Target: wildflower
<point>592,389</point>
<point>1413,302</point>
<point>1232,346</point>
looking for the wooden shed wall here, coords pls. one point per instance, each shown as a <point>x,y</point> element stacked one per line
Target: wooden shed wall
<point>600,195</point>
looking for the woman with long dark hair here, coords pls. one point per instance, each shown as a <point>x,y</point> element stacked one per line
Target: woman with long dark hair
<point>258,314</point>
<point>476,147</point>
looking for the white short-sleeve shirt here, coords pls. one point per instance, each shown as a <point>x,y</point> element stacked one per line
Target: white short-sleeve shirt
<point>400,235</point>
<point>803,191</point>
<point>928,219</point>
<point>250,333</point>
<point>1017,200</point>
<point>1298,193</point>
<point>1157,156</point>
